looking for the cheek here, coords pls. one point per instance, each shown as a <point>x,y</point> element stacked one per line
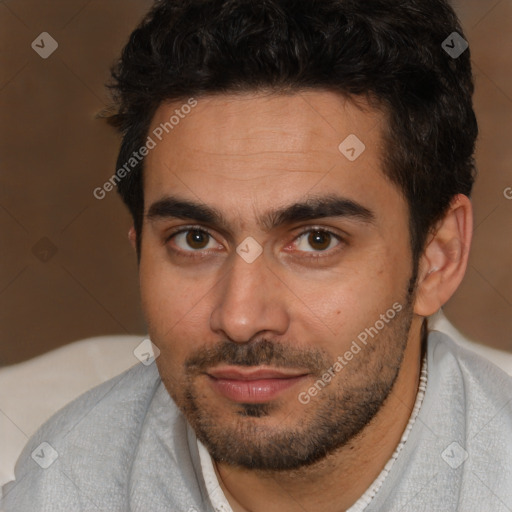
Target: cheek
<point>166,293</point>
<point>334,311</point>
<point>176,307</point>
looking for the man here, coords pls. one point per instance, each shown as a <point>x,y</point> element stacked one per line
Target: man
<point>298,174</point>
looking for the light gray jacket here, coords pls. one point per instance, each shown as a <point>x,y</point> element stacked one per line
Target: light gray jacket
<point>124,446</point>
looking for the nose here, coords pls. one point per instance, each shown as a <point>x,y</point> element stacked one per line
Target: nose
<point>250,301</point>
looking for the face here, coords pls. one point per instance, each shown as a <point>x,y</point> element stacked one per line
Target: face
<point>274,273</point>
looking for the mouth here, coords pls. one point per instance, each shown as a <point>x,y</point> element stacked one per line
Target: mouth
<point>253,384</point>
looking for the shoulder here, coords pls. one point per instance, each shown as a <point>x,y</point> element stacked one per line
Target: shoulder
<point>90,438</point>
<point>460,445</point>
<point>120,401</point>
<point>475,371</point>
<point>474,393</point>
<point>472,417</point>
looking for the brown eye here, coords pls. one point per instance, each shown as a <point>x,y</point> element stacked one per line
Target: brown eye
<point>192,240</point>
<point>319,240</point>
<point>197,239</point>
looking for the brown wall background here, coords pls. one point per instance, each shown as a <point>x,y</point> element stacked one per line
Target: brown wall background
<point>66,269</point>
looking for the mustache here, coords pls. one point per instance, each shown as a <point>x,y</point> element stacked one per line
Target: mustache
<point>256,353</point>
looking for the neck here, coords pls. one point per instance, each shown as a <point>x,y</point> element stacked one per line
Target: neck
<point>338,481</point>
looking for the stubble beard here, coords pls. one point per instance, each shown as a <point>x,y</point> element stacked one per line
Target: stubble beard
<point>246,437</point>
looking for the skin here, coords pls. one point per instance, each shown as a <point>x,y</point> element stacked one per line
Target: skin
<point>246,155</point>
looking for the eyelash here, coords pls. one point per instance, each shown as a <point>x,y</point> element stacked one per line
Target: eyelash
<point>309,229</point>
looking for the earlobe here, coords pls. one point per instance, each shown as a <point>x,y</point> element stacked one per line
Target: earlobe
<point>132,236</point>
<point>445,258</point>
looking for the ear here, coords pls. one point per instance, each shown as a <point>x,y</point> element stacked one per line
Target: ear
<point>445,258</point>
<point>132,236</point>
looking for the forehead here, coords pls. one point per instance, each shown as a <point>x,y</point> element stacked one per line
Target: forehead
<point>232,151</point>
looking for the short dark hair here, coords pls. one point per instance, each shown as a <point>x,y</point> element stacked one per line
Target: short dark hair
<point>387,51</point>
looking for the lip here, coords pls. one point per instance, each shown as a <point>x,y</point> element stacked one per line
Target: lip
<point>252,385</point>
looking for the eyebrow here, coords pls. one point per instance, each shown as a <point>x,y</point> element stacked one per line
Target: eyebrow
<point>311,209</point>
